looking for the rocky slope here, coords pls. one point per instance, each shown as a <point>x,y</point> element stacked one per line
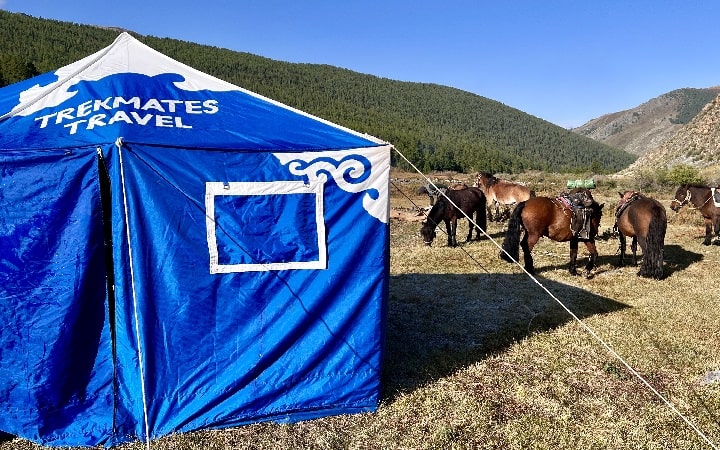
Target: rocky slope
<point>695,144</point>
<point>648,126</point>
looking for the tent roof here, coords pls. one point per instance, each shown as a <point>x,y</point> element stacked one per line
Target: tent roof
<point>130,91</point>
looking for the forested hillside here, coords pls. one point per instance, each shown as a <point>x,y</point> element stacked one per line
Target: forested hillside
<point>435,127</point>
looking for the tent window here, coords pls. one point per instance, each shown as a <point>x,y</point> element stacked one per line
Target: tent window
<point>260,226</point>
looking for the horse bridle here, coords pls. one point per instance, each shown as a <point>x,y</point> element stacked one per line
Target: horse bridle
<point>688,197</point>
<point>434,235</point>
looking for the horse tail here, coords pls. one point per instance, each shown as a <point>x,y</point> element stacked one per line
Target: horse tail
<point>511,243</point>
<point>652,264</point>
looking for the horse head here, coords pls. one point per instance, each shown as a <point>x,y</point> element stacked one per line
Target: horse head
<point>428,232</point>
<point>682,198</point>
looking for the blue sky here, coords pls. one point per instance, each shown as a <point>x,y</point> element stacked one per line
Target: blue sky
<point>563,61</point>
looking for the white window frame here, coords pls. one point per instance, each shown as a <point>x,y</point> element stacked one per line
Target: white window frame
<point>214,189</point>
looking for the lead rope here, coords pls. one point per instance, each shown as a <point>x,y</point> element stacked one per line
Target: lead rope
<point>141,358</point>
<point>578,320</point>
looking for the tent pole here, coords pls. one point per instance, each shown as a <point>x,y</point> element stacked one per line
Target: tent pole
<point>141,359</point>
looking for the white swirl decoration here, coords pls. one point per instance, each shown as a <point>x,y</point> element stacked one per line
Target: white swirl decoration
<point>362,170</point>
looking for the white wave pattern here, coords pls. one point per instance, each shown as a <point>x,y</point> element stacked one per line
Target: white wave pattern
<point>125,55</point>
<point>350,174</point>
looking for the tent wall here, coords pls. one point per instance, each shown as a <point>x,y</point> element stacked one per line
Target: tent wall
<point>55,350</point>
<point>224,349</point>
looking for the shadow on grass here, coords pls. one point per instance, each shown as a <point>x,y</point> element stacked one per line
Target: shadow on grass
<point>439,323</point>
<point>676,258</point>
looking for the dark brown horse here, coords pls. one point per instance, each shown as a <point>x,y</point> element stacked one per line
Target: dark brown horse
<point>645,221</point>
<point>454,205</point>
<point>554,218</point>
<point>701,198</point>
<point>501,192</point>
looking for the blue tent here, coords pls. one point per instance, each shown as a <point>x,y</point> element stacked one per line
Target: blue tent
<point>178,253</point>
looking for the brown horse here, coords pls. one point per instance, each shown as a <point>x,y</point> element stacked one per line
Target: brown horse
<point>702,199</point>
<point>551,217</point>
<point>451,206</point>
<point>645,221</point>
<point>501,192</point>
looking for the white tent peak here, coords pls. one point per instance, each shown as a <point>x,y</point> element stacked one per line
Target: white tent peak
<point>125,55</point>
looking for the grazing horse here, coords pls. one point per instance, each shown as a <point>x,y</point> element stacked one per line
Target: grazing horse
<point>645,221</point>
<point>501,192</point>
<point>450,207</point>
<point>554,218</point>
<point>701,197</point>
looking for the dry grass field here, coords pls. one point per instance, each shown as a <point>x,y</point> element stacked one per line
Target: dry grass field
<point>481,356</point>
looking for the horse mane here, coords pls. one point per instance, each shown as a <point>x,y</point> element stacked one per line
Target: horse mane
<point>694,185</point>
<point>491,179</point>
<point>434,216</point>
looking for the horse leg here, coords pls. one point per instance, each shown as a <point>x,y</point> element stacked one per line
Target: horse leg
<point>593,257</point>
<point>716,225</point>
<point>448,231</point>
<point>527,245</point>
<point>481,221</point>
<point>470,228</point>
<point>621,237</point>
<point>633,247</point>
<point>488,209</point>
<point>645,267</point>
<point>573,256</point>
<point>708,232</point>
<point>454,232</point>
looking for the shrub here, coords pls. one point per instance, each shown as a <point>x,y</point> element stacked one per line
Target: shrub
<point>682,174</point>
<point>650,180</point>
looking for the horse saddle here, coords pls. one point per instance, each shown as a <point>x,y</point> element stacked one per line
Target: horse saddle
<point>580,213</point>
<point>625,202</point>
